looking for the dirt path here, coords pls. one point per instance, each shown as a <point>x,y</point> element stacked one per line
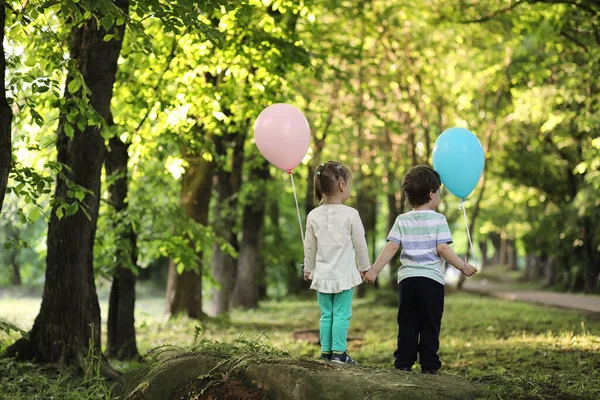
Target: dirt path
<point>582,302</point>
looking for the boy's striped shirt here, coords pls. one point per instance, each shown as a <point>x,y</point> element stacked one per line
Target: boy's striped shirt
<point>419,233</point>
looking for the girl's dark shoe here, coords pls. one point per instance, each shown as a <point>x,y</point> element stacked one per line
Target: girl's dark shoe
<point>342,358</point>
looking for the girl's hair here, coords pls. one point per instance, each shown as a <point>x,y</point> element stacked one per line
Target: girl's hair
<point>327,177</point>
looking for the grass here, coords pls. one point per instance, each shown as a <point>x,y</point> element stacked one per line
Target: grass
<point>25,381</point>
<point>519,350</point>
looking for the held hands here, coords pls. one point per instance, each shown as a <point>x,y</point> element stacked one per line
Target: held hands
<point>468,270</point>
<point>370,276</point>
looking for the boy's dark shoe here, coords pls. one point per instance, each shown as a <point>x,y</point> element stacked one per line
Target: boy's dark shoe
<point>430,371</point>
<point>325,356</point>
<point>342,358</point>
<point>408,369</point>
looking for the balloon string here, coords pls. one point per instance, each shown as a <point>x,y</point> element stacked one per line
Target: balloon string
<point>297,207</point>
<point>462,205</point>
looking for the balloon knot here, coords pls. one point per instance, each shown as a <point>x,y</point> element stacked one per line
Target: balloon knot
<point>289,171</point>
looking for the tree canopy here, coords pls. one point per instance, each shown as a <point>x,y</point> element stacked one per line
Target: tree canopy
<point>378,82</point>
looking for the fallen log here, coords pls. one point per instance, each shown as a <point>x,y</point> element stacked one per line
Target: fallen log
<point>209,375</point>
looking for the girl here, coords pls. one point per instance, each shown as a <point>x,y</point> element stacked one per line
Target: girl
<point>334,245</point>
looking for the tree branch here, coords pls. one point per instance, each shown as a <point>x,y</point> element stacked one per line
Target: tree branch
<point>334,97</point>
<point>494,14</point>
<point>157,85</point>
<point>505,10</point>
<point>569,169</point>
<point>574,40</point>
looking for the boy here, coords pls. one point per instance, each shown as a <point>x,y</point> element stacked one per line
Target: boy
<point>424,236</point>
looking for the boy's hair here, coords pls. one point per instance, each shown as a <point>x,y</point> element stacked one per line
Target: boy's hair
<point>327,176</point>
<point>419,182</point>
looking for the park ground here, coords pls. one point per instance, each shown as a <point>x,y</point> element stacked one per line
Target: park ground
<point>517,349</point>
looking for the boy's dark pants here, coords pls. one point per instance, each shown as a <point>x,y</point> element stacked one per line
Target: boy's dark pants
<point>419,314</point>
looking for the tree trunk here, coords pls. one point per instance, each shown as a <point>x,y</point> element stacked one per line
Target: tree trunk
<point>121,323</point>
<point>223,270</point>
<point>309,204</point>
<point>497,243</point>
<point>515,255</point>
<point>591,263</point>
<point>394,211</point>
<point>483,246</point>
<point>530,266</point>
<point>367,208</point>
<point>511,254</point>
<point>16,278</point>
<point>262,280</point>
<point>576,276</point>
<point>247,283</point>
<point>6,115</point>
<point>184,291</point>
<point>549,272</point>
<point>16,275</point>
<point>68,323</point>
<point>503,260</point>
<point>228,180</point>
<point>293,274</point>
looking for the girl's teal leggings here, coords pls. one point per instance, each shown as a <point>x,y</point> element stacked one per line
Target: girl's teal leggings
<point>336,310</point>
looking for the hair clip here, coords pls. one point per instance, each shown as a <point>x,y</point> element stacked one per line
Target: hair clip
<point>318,172</point>
<point>339,166</point>
<point>322,165</point>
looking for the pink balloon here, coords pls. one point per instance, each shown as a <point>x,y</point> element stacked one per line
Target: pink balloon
<point>282,135</point>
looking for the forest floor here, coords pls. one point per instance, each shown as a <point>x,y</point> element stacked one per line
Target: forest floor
<point>517,350</point>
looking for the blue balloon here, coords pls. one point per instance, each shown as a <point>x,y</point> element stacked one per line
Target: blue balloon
<point>458,158</point>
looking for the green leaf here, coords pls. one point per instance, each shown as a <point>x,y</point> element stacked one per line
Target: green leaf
<point>69,131</point>
<point>79,194</point>
<point>36,116</point>
<point>106,132</point>
<point>74,85</point>
<point>180,268</point>
<point>60,212</point>
<point>86,213</point>
<point>42,89</point>
<point>50,3</point>
<point>22,217</point>
<point>35,214</point>
<point>72,209</point>
<point>107,22</point>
